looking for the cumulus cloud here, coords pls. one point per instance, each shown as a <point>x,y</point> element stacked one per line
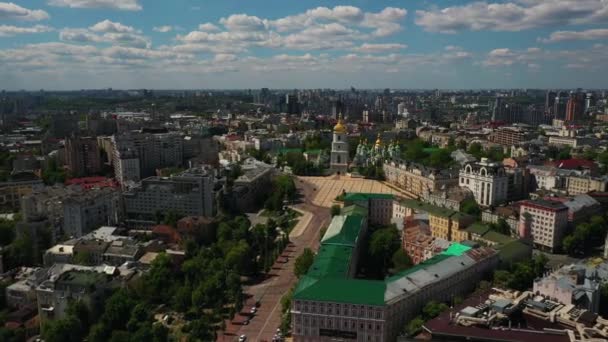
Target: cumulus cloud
<point>208,27</point>
<point>125,5</point>
<point>224,57</point>
<point>112,27</point>
<point>243,22</point>
<point>163,29</point>
<point>375,48</point>
<point>9,10</point>
<point>106,32</point>
<point>511,16</point>
<point>9,30</point>
<point>560,36</point>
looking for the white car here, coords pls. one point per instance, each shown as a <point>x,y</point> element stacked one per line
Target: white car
<point>253,310</point>
<point>242,338</point>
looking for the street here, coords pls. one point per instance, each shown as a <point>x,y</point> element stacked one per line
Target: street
<point>264,324</point>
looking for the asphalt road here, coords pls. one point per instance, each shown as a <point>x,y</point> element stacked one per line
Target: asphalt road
<point>264,324</point>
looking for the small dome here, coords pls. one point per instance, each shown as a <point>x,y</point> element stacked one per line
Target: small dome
<point>378,141</point>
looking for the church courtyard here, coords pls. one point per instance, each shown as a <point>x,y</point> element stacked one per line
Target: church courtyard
<point>328,188</point>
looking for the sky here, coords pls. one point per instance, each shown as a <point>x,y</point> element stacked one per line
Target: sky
<point>240,44</point>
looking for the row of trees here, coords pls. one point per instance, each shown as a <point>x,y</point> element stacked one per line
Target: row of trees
<point>383,253</point>
<point>586,236</point>
<point>414,150</point>
<point>206,289</point>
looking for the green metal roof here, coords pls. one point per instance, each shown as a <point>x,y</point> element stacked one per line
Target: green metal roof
<point>352,291</point>
<point>360,196</point>
<point>354,210</point>
<point>343,230</point>
<point>331,261</point>
<point>497,237</point>
<point>456,249</point>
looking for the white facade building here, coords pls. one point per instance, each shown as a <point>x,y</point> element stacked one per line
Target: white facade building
<point>544,222</point>
<point>488,182</point>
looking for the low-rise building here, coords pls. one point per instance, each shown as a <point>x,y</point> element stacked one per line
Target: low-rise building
<point>379,206</point>
<point>253,185</point>
<point>576,284</point>
<point>17,186</point>
<point>416,179</point>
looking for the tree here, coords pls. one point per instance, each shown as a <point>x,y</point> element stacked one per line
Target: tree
<point>414,326</point>
<point>7,232</point>
<point>469,206</point>
<point>501,227</point>
<point>433,308</point>
<point>383,244</point>
<point>401,261</point>
<point>476,150</point>
<point>303,262</point>
<point>118,310</point>
<point>335,210</point>
<point>63,330</point>
<point>171,218</point>
<point>83,258</point>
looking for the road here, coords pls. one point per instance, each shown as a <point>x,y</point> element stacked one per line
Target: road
<point>264,324</point>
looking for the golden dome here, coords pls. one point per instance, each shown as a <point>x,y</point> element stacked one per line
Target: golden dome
<point>378,141</point>
<point>339,127</point>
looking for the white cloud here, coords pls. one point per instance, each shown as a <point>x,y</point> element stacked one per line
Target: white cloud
<point>163,29</point>
<point>224,57</point>
<point>112,33</point>
<point>208,27</point>
<point>112,27</point>
<point>375,48</point>
<point>9,30</point>
<point>512,16</point>
<point>9,10</point>
<point>126,5</point>
<point>560,36</point>
<point>244,22</point>
<point>386,21</point>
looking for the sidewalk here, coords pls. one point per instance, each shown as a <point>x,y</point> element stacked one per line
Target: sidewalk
<point>302,222</point>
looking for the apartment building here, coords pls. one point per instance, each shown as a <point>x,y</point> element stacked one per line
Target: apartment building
<point>189,193</point>
<point>17,186</point>
<point>417,180</point>
<point>545,222</point>
<point>83,156</point>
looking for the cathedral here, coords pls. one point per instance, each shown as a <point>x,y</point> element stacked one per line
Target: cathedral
<point>339,149</point>
<point>368,155</point>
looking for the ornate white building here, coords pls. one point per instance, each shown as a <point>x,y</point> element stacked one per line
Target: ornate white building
<point>488,182</point>
<point>339,149</point>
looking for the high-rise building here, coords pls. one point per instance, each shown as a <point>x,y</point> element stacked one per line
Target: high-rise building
<point>575,108</point>
<point>550,102</point>
<point>83,156</point>
<point>559,106</point>
<point>339,149</point>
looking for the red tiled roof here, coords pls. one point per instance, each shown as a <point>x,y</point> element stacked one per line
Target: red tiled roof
<point>573,164</point>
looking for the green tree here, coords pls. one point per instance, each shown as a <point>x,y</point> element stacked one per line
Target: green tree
<point>7,232</point>
<point>501,227</point>
<point>401,261</point>
<point>335,210</point>
<point>414,326</point>
<point>383,244</point>
<point>63,330</point>
<point>433,308</point>
<point>469,206</point>
<point>303,262</point>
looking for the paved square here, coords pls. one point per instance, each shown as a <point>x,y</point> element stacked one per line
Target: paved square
<point>328,188</point>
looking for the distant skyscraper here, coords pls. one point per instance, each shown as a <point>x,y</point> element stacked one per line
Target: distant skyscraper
<point>575,108</point>
<point>589,102</point>
<point>550,102</point>
<point>497,111</point>
<point>559,105</point>
<point>291,101</point>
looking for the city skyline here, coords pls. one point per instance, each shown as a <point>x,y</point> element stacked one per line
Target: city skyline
<point>76,44</point>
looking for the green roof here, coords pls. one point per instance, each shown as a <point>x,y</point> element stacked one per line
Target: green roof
<point>513,251</point>
<point>331,261</point>
<point>352,291</point>
<point>497,237</point>
<point>429,208</point>
<point>456,249</point>
<point>317,151</point>
<point>289,150</point>
<point>478,228</point>
<point>354,210</point>
<point>360,196</point>
<point>343,230</point>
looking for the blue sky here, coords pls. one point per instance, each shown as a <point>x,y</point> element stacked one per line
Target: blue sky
<point>162,44</point>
